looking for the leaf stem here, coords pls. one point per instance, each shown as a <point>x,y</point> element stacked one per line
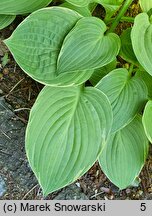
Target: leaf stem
<point>131,69</point>
<point>127,19</point>
<point>123,19</point>
<point>121,13</point>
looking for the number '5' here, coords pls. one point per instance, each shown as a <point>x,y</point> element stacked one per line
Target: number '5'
<point>143,207</point>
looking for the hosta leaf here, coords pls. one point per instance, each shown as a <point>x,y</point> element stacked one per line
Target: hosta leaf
<point>37,41</point>
<point>124,154</point>
<point>126,51</point>
<point>86,46</point>
<point>147,120</point>
<point>146,5</point>
<point>99,73</point>
<point>14,7</point>
<point>147,79</point>
<point>141,40</point>
<point>67,129</point>
<point>111,6</point>
<point>79,3</point>
<point>84,11</point>
<point>6,20</point>
<point>127,95</point>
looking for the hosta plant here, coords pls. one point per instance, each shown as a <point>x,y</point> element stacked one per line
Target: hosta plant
<point>72,125</point>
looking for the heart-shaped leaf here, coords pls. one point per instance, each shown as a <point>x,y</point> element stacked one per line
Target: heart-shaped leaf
<point>14,7</point>
<point>141,35</point>
<point>36,44</point>
<point>67,129</point>
<point>86,46</point>
<point>99,73</point>
<point>6,20</point>
<point>126,51</point>
<point>146,5</point>
<point>127,95</point>
<point>147,120</point>
<point>125,153</point>
<point>40,46</point>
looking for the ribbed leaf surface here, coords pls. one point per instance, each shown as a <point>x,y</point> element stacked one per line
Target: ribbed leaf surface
<point>147,120</point>
<point>146,5</point>
<point>6,20</point>
<point>66,132</point>
<point>56,46</point>
<point>86,47</point>
<point>147,78</point>
<point>126,94</point>
<point>37,41</point>
<point>124,154</point>
<point>126,51</point>
<point>99,73</point>
<point>15,7</point>
<point>141,40</point>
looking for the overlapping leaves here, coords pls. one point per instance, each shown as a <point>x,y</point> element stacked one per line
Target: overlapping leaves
<point>127,95</point>
<point>126,51</point>
<point>54,45</point>
<point>99,73</point>
<point>110,6</point>
<point>141,40</point>
<point>87,39</point>
<point>125,153</point>
<point>5,20</point>
<point>67,130</point>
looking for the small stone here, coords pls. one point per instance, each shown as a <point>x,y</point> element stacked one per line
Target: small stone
<point>128,191</point>
<point>106,190</point>
<point>77,184</point>
<point>1,92</point>
<point>140,192</point>
<point>5,71</point>
<point>2,187</point>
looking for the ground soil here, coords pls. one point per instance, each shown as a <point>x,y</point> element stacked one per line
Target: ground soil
<point>20,91</point>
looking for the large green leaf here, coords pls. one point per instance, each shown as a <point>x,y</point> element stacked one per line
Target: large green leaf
<point>127,95</point>
<point>147,120</point>
<point>99,73</point>
<point>124,154</point>
<point>141,40</point>
<point>111,6</point>
<point>37,41</point>
<point>50,50</point>
<point>86,46</point>
<point>6,20</point>
<point>67,129</point>
<point>126,51</point>
<point>15,7</point>
<point>146,5</point>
